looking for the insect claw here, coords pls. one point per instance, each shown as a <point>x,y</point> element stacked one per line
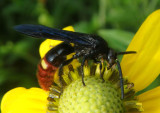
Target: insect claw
<point>83,78</point>
<point>109,67</point>
<point>103,80</point>
<point>82,71</point>
<point>101,75</point>
<point>83,83</point>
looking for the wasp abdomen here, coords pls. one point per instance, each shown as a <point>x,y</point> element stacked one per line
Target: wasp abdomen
<point>45,74</point>
<point>50,64</point>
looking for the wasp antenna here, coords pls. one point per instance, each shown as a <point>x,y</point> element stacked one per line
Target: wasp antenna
<point>126,52</point>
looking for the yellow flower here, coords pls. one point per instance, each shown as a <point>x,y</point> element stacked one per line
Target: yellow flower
<point>21,100</point>
<point>141,69</point>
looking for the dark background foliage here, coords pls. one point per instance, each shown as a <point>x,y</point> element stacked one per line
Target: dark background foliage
<point>115,20</point>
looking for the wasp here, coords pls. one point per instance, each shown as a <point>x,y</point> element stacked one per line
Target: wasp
<point>86,46</point>
<point>50,63</point>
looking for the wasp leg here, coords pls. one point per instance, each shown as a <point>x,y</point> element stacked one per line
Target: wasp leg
<point>100,68</point>
<point>109,67</point>
<point>82,72</point>
<point>121,78</point>
<point>61,70</point>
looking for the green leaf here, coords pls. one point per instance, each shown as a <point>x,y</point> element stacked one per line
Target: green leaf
<point>154,84</point>
<point>117,39</point>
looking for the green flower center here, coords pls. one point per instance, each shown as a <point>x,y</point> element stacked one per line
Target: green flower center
<point>95,97</point>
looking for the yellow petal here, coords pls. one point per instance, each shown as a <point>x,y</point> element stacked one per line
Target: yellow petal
<point>69,28</point>
<point>143,67</point>
<point>151,101</point>
<point>21,100</point>
<point>49,43</point>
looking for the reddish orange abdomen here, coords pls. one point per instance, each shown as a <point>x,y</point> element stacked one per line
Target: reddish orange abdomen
<point>46,76</point>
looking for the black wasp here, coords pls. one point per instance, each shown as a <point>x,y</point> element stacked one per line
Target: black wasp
<point>87,46</point>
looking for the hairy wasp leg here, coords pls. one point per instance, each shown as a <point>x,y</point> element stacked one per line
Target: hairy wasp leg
<point>60,73</point>
<point>121,78</point>
<point>82,72</point>
<point>100,68</point>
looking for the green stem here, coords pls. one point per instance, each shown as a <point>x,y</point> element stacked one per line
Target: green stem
<point>102,12</point>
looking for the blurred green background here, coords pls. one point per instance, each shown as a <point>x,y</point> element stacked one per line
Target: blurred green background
<point>115,20</point>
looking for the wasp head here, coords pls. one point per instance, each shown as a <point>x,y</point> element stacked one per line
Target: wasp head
<point>111,57</point>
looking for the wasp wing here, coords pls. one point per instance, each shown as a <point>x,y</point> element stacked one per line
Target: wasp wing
<point>40,31</point>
